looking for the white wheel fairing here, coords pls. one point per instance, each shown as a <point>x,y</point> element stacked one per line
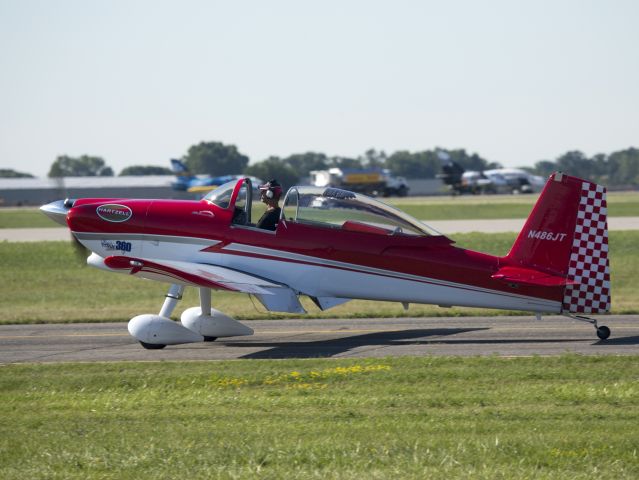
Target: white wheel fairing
<point>158,330</point>
<point>217,324</point>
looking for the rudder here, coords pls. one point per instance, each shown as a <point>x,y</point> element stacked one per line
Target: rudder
<point>589,266</point>
<point>566,235</point>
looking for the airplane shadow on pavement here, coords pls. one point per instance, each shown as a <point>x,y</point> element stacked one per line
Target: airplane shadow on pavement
<point>633,340</point>
<point>332,347</point>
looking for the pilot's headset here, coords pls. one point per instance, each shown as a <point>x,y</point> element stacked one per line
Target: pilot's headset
<point>272,189</point>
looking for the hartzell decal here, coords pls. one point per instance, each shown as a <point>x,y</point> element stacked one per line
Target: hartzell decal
<point>112,212</point>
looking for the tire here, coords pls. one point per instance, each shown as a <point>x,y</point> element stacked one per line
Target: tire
<point>603,332</point>
<point>152,346</point>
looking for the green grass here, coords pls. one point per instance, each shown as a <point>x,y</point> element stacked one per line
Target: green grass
<point>423,208</point>
<point>566,417</point>
<point>25,218</point>
<point>44,283</point>
<point>501,206</point>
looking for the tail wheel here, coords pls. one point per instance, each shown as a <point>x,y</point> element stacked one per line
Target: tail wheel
<point>603,332</point>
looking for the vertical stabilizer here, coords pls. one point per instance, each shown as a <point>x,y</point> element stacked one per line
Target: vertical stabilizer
<point>179,167</point>
<point>567,235</point>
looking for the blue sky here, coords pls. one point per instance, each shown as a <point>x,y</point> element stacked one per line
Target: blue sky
<point>138,82</point>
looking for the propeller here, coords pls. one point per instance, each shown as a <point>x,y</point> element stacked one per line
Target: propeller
<point>80,251</point>
<point>57,211</point>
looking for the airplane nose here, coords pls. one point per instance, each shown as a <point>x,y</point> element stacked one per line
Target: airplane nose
<point>57,211</point>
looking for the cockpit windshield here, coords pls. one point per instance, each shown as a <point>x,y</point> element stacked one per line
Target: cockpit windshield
<point>336,208</point>
<point>221,196</point>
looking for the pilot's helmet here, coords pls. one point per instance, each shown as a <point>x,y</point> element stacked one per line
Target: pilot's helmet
<point>271,189</point>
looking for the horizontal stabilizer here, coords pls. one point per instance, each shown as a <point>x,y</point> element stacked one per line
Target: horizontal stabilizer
<point>528,276</point>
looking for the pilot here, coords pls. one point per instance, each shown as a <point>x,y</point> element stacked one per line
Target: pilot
<point>271,192</point>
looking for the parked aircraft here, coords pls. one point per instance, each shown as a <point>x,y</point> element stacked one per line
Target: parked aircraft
<point>333,246</point>
<point>498,180</point>
<point>184,180</point>
<point>519,180</point>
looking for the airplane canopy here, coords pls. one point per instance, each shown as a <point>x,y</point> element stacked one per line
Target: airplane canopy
<point>221,196</point>
<point>334,207</point>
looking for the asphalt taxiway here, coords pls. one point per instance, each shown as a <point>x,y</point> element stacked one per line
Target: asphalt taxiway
<point>330,338</point>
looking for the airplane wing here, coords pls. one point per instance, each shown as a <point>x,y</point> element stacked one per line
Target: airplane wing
<point>274,296</point>
<point>194,274</point>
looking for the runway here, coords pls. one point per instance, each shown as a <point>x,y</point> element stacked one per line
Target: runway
<point>329,338</point>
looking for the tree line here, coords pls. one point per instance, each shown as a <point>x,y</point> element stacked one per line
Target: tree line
<point>216,158</point>
<point>620,168</point>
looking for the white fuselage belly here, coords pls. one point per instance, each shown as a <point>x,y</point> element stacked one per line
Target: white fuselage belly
<point>315,276</point>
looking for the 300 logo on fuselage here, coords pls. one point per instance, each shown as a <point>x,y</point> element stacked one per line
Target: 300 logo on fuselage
<point>112,212</point>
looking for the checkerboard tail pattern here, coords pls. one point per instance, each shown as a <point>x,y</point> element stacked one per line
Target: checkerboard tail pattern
<point>589,266</point>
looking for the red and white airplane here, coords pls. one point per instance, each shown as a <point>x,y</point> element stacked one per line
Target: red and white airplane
<point>334,245</point>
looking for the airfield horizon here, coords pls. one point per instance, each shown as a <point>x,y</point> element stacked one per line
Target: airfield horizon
<point>427,209</point>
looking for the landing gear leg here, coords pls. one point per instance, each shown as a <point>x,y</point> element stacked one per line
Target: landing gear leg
<point>603,332</point>
<point>205,307</point>
<point>172,297</point>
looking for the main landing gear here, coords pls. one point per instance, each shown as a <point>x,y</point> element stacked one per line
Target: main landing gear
<point>603,332</point>
<point>197,324</point>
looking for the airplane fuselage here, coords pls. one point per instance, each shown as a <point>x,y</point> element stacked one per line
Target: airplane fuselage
<point>320,262</point>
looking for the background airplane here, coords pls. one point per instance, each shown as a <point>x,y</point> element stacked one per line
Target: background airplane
<point>498,180</point>
<point>186,181</point>
<point>334,245</point>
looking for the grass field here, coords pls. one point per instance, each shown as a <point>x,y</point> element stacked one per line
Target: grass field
<point>422,208</point>
<point>624,204</point>
<point>44,282</point>
<point>566,417</point>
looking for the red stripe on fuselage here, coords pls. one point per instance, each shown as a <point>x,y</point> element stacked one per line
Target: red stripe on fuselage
<point>369,270</point>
